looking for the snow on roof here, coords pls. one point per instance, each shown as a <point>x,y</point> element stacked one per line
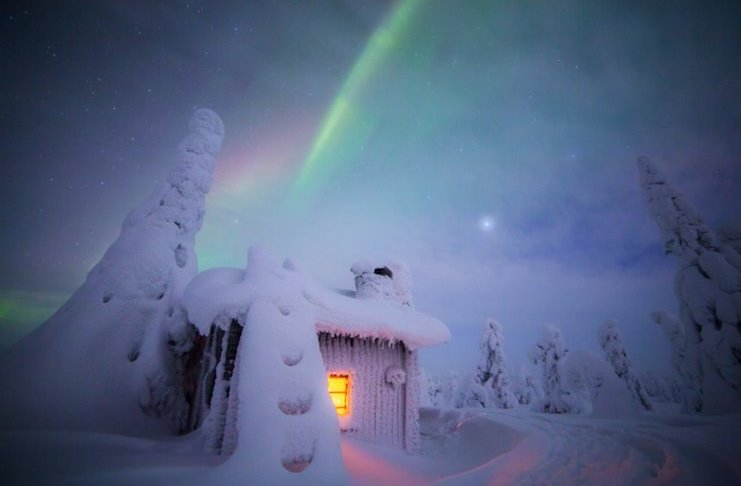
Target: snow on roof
<point>221,294</point>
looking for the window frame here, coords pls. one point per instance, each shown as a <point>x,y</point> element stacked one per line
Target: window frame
<point>342,411</point>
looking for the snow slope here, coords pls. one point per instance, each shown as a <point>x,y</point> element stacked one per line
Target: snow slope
<point>460,447</point>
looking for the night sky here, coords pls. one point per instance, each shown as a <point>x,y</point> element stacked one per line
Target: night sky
<point>490,145</point>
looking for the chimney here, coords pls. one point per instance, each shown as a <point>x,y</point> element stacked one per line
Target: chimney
<point>383,282</point>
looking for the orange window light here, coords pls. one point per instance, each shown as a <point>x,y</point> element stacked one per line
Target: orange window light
<point>339,391</point>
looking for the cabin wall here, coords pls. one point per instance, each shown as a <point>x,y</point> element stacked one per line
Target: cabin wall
<point>380,413</point>
<point>215,389</point>
<point>378,410</point>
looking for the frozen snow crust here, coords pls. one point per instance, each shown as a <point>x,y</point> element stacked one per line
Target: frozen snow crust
<point>221,294</point>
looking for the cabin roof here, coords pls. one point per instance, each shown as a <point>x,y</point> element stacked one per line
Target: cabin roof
<point>340,312</point>
<point>221,294</point>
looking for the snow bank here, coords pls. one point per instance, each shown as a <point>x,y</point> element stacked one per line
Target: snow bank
<point>218,295</point>
<point>102,358</point>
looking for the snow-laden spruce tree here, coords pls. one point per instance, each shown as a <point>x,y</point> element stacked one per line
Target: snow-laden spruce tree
<point>685,360</point>
<point>491,372</point>
<point>548,355</point>
<point>102,359</point>
<point>611,342</point>
<point>708,287</point>
<point>474,394</point>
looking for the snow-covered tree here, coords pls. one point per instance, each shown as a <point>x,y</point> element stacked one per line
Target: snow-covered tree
<point>527,388</point>
<point>708,288</point>
<point>613,346</point>
<point>729,234</point>
<point>491,372</point>
<point>432,389</point>
<point>673,390</point>
<point>451,392</point>
<point>655,388</point>
<point>548,355</point>
<point>474,394</point>
<point>103,357</point>
<point>594,389</point>
<point>685,360</point>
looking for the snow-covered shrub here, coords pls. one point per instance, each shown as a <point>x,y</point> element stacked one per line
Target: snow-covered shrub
<point>708,287</point>
<point>611,342</point>
<point>491,372</point>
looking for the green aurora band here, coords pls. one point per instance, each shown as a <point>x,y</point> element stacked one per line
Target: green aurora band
<point>345,116</point>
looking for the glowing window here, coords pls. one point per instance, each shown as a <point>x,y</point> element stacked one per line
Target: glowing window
<point>339,391</point>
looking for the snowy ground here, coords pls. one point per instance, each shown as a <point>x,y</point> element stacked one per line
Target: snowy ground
<point>461,447</point>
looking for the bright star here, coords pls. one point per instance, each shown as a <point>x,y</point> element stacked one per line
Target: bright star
<point>486,223</point>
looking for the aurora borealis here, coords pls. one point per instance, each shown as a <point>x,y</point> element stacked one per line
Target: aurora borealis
<point>490,145</point>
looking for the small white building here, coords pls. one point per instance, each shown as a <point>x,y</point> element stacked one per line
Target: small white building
<point>368,338</point>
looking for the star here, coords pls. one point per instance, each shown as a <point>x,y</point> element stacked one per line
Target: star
<point>486,223</point>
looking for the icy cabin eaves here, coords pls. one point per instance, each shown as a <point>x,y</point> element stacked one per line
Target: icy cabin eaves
<point>219,295</point>
<point>342,313</point>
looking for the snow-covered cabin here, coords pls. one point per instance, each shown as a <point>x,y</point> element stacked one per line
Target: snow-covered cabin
<point>368,338</point>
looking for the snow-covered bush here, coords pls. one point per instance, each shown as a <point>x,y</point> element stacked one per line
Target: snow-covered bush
<point>708,287</point>
<point>491,372</point>
<point>611,342</point>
